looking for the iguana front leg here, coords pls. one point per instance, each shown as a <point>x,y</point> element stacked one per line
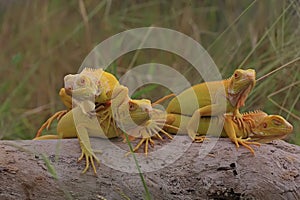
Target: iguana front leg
<point>86,148</point>
<point>150,129</point>
<point>85,126</point>
<point>231,133</point>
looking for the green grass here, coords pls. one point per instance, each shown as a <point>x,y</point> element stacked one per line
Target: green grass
<point>44,40</point>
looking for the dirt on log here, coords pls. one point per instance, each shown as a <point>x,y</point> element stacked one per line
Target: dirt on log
<point>49,170</point>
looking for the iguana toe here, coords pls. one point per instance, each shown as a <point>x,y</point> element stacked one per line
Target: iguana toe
<point>246,143</point>
<point>199,139</point>
<point>89,157</point>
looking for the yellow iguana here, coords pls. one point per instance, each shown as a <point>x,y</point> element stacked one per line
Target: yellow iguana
<point>114,111</point>
<point>93,84</point>
<point>263,127</point>
<point>124,115</point>
<point>212,102</point>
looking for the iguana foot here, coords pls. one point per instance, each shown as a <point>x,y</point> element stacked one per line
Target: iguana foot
<point>192,125</point>
<point>245,143</point>
<point>241,120</point>
<point>58,115</point>
<point>165,133</point>
<point>192,134</point>
<point>90,157</point>
<point>147,141</point>
<point>148,130</point>
<point>199,139</point>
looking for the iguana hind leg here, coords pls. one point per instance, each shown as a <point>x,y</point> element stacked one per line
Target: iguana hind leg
<point>193,124</point>
<point>58,115</point>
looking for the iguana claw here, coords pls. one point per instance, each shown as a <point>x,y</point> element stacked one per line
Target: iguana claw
<point>152,128</point>
<point>245,143</point>
<point>147,142</point>
<point>199,139</point>
<point>89,156</point>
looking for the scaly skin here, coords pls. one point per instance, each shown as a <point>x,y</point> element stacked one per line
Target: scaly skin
<point>123,115</point>
<point>210,99</point>
<point>263,127</point>
<point>95,85</point>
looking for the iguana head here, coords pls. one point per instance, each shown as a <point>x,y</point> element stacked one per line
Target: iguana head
<point>240,85</point>
<point>85,84</point>
<point>139,110</point>
<point>271,127</point>
<point>132,115</point>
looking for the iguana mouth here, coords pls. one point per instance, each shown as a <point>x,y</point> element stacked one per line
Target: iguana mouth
<point>80,94</point>
<point>68,91</point>
<point>267,138</point>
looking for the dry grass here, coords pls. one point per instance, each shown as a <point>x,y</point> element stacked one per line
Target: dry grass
<point>44,40</point>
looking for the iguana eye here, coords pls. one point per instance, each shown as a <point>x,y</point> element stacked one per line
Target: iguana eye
<point>131,106</point>
<point>82,81</point>
<point>265,125</point>
<point>236,75</point>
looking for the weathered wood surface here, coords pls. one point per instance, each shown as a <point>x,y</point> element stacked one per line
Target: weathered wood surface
<point>224,173</point>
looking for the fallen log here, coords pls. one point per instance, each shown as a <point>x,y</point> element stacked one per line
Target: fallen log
<point>174,170</point>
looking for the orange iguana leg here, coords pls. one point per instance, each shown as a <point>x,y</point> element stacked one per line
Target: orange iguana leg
<point>231,133</point>
<point>48,123</point>
<point>162,99</point>
<point>246,144</point>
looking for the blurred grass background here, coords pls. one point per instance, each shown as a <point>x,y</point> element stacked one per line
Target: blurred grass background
<point>41,41</point>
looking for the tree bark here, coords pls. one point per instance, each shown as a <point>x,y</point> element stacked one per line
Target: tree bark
<point>173,170</point>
